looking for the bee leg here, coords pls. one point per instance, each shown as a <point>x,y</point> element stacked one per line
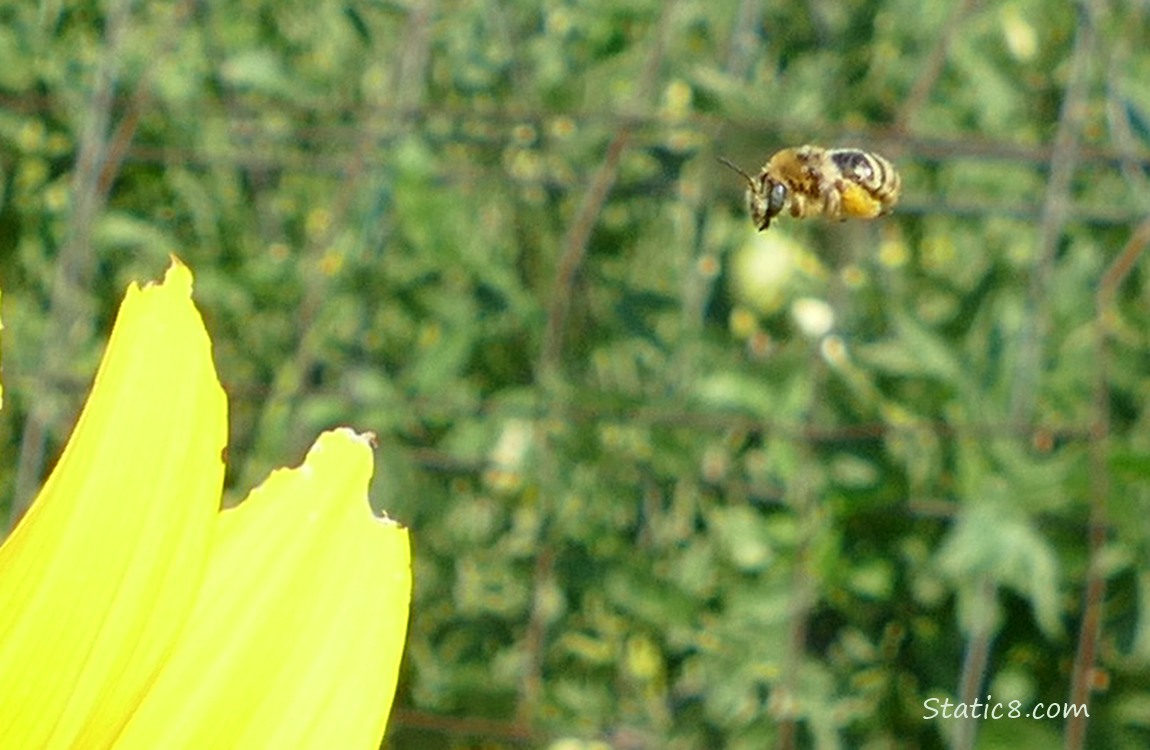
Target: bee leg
<point>832,200</point>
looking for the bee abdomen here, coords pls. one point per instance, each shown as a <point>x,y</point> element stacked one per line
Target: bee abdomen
<point>868,170</point>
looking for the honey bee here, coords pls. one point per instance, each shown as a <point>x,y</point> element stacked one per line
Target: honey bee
<point>837,183</point>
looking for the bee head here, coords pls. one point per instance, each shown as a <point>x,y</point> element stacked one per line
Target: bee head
<point>767,197</point>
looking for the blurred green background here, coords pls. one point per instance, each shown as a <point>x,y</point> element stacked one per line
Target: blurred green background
<point>672,483</point>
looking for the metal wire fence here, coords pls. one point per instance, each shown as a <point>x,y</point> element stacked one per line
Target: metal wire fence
<point>574,173</point>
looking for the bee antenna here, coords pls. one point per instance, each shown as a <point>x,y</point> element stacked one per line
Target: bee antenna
<point>744,175</point>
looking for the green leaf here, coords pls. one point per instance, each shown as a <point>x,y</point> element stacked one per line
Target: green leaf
<point>991,545</point>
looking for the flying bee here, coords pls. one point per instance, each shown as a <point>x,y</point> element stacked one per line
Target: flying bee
<point>838,183</point>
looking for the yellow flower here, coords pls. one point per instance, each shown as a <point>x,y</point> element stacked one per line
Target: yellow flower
<point>136,614</point>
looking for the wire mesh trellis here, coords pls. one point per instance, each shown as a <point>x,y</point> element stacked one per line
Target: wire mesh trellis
<point>551,321</point>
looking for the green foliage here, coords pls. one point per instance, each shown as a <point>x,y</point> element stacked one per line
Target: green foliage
<point>679,485</point>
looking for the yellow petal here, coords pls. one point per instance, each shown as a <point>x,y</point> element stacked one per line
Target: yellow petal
<point>97,577</point>
<point>296,638</point>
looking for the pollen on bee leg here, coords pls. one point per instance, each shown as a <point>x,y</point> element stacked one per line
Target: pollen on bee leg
<point>859,203</point>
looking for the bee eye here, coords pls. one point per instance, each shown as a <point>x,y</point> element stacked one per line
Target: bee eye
<point>777,199</point>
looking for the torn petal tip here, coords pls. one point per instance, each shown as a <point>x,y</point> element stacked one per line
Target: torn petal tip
<point>364,438</point>
<point>178,276</point>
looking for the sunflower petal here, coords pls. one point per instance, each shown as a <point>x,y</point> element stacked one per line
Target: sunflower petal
<point>296,638</point>
<point>99,574</point>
